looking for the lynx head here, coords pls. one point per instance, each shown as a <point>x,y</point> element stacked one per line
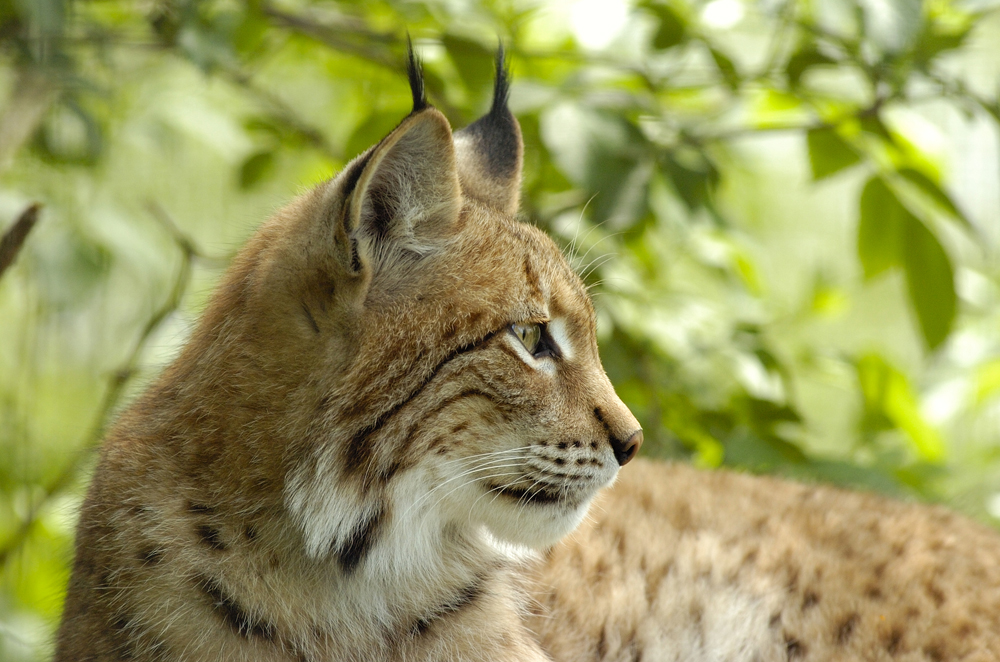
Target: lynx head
<point>425,361</point>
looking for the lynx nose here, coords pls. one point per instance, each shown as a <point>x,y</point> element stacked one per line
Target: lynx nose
<point>626,450</point>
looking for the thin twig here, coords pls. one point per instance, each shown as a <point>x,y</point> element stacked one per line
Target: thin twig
<point>13,239</point>
<point>117,381</point>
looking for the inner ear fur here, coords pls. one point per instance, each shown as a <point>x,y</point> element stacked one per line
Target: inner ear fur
<point>490,151</point>
<point>408,195</point>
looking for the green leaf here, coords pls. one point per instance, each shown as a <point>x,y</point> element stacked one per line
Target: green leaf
<point>874,125</point>
<point>828,153</point>
<point>375,127</point>
<point>726,68</point>
<point>880,228</point>
<point>889,235</point>
<point>257,166</point>
<point>935,193</point>
<point>930,280</point>
<point>672,29</point>
<point>694,183</point>
<point>473,61</point>
<point>802,60</point>
<point>937,39</point>
<point>889,397</point>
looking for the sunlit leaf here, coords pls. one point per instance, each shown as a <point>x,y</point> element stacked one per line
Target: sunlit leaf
<point>606,155</point>
<point>801,61</point>
<point>828,153</point>
<point>473,61</point>
<point>987,380</point>
<point>880,228</point>
<point>693,181</point>
<point>873,124</point>
<point>726,68</point>
<point>255,168</point>
<point>887,392</point>
<point>937,39</point>
<point>375,127</point>
<point>930,280</point>
<point>935,193</point>
<point>671,29</point>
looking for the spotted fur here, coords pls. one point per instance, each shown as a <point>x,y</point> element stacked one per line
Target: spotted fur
<point>678,564</point>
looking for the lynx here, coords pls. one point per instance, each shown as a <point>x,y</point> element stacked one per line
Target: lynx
<point>383,436</point>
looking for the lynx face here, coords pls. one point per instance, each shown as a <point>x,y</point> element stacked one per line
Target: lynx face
<point>394,376</point>
<point>476,394</point>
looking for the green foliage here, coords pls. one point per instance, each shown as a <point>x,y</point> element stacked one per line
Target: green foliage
<point>793,260</point>
<point>889,235</point>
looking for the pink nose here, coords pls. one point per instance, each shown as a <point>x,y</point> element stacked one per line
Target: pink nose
<point>626,450</point>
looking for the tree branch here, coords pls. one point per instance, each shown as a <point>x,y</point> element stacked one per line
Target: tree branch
<point>13,239</point>
<point>117,381</point>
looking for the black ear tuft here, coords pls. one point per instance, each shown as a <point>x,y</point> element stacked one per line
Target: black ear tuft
<point>501,84</point>
<point>490,150</point>
<point>415,72</point>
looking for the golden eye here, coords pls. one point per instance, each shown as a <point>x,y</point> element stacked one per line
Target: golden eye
<point>529,335</point>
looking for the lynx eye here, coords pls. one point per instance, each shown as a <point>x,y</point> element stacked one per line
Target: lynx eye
<point>536,339</point>
<point>530,335</point>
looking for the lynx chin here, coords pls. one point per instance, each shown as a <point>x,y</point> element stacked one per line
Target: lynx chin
<point>389,420</point>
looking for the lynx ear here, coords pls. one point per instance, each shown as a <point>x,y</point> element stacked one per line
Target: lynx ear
<point>405,192</point>
<point>490,150</point>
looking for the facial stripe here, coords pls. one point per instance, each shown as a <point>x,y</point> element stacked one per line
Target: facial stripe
<point>230,611</point>
<point>352,551</point>
<point>462,600</point>
<point>532,277</point>
<point>448,402</point>
<point>359,451</point>
<point>309,316</point>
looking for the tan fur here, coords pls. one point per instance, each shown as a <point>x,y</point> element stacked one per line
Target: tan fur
<point>678,564</point>
<point>354,456</point>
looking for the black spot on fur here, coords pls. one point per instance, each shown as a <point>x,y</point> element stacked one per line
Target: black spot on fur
<point>846,629</point>
<point>309,316</point>
<point>361,540</point>
<point>463,599</point>
<point>232,613</point>
<point>210,537</point>
<point>599,415</point>
<point>121,637</point>
<point>150,556</point>
<point>415,73</point>
<point>602,645</point>
<point>200,509</point>
<point>794,648</point>
<point>893,641</point>
<point>496,133</point>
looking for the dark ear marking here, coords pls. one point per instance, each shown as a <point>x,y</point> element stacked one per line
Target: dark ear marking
<point>501,83</point>
<point>415,72</point>
<point>497,131</point>
<point>490,149</point>
<point>354,174</point>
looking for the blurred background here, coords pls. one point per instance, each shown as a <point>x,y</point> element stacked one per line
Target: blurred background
<point>789,211</point>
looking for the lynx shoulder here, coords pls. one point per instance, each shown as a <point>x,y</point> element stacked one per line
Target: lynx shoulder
<point>388,421</point>
<point>678,564</point>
